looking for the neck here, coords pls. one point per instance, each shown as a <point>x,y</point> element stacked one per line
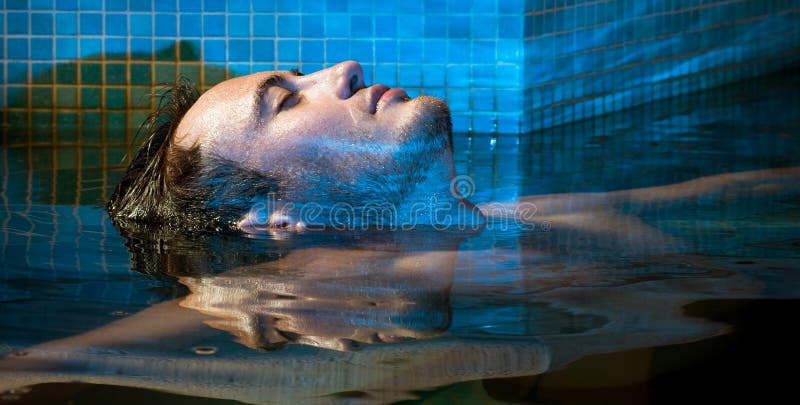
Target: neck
<point>435,202</point>
<point>438,202</point>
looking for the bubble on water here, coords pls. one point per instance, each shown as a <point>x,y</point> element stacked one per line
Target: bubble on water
<point>204,350</point>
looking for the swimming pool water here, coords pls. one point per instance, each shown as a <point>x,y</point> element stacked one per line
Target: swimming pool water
<point>620,301</point>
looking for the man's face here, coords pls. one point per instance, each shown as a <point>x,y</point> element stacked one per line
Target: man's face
<point>323,135</point>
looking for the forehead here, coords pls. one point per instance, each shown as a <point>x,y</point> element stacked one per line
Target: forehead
<point>220,107</point>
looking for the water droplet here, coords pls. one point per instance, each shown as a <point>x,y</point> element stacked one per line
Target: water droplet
<point>204,350</point>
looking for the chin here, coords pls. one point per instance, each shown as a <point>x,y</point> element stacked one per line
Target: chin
<point>431,118</point>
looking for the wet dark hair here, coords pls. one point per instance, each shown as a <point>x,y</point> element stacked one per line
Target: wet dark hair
<point>178,189</point>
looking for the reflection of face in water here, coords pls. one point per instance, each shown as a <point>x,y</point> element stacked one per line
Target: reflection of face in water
<point>334,297</point>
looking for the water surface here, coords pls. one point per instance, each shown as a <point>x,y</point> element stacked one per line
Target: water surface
<point>598,296</point>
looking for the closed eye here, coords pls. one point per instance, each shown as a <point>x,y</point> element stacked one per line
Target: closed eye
<point>274,95</point>
<point>289,99</point>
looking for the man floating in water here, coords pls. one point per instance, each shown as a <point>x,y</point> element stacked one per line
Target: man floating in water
<point>279,149</point>
<point>282,149</point>
<point>255,153</point>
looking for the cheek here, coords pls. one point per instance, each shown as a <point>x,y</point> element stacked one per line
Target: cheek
<point>333,133</point>
<point>331,122</point>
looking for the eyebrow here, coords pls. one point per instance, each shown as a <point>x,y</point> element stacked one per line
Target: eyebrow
<point>272,81</point>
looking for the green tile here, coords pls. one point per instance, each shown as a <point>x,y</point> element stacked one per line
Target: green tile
<point>115,155</point>
<point>141,56</point>
<point>42,158</point>
<point>17,161</point>
<point>91,135</point>
<point>17,96</point>
<point>115,56</point>
<point>213,75</point>
<point>91,126</point>
<point>42,126</point>
<point>41,97</point>
<point>66,97</point>
<point>67,187</point>
<point>15,136</point>
<point>115,120</point>
<point>67,158</point>
<point>114,176</point>
<point>17,119</point>
<point>167,54</point>
<point>91,158</point>
<point>191,71</point>
<point>67,74</point>
<point>115,98</point>
<point>64,122</point>
<point>42,119</point>
<point>41,135</point>
<point>132,130</point>
<point>116,73</point>
<point>47,71</point>
<point>139,97</point>
<point>189,52</point>
<point>140,73</point>
<point>91,193</point>
<point>91,73</point>
<point>90,97</point>
<point>137,118</point>
<point>165,73</point>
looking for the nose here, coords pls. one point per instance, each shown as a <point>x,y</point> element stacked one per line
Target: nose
<point>346,78</point>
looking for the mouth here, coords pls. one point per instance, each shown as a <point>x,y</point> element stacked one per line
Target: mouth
<point>381,96</point>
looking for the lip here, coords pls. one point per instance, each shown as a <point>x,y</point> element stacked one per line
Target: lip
<point>381,96</point>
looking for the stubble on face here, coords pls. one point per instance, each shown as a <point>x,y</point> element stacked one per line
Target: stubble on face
<point>361,168</point>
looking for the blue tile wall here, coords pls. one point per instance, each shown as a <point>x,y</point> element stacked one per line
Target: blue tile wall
<point>584,59</point>
<point>505,66</point>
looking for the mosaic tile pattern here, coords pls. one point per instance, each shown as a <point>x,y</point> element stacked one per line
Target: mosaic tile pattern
<point>79,71</point>
<point>588,58</point>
